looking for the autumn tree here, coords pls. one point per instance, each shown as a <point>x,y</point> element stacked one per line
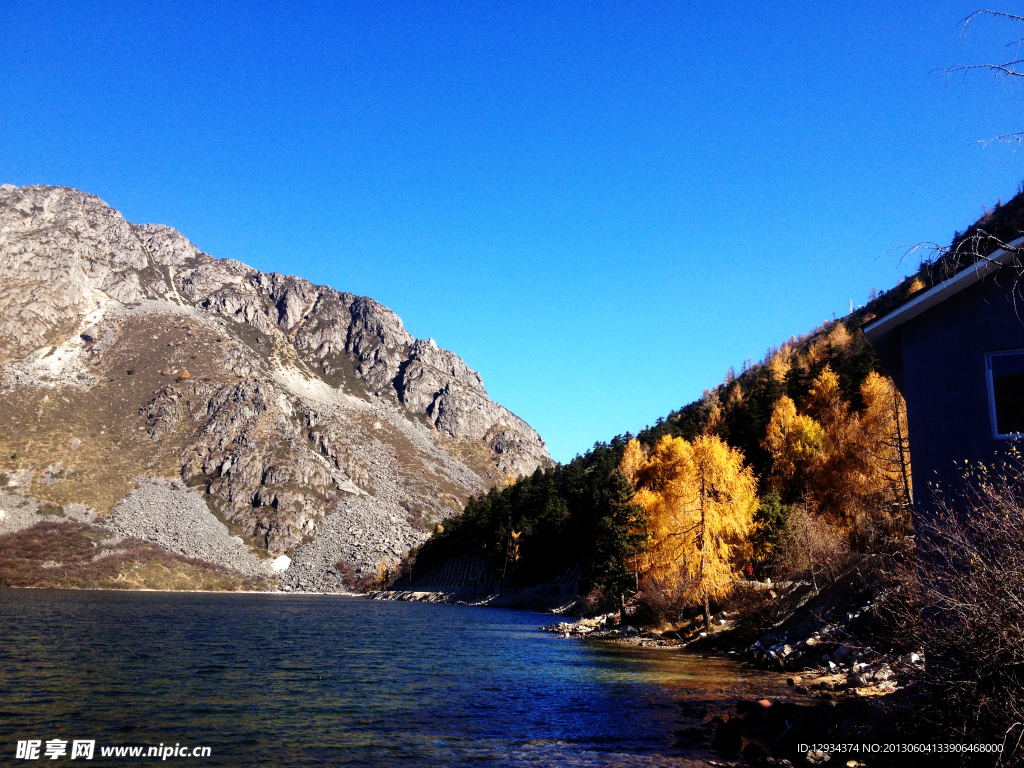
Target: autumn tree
<point>511,551</point>
<point>841,464</point>
<point>884,444</point>
<point>886,441</point>
<point>794,441</point>
<point>699,499</point>
<point>384,574</point>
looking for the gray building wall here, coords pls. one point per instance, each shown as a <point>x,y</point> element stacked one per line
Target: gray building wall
<point>937,360</point>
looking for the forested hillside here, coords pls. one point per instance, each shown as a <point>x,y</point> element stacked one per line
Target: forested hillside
<point>788,465</point>
<point>815,420</point>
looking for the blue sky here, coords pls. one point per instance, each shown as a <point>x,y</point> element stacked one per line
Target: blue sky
<point>600,206</point>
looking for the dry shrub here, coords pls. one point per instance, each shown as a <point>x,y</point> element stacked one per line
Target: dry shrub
<point>963,605</point>
<point>353,578</point>
<point>814,547</point>
<point>881,526</point>
<point>597,601</point>
<point>64,554</point>
<point>415,516</point>
<point>660,601</point>
<point>754,610</point>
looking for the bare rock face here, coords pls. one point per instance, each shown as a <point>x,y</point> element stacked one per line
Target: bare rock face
<point>308,419</point>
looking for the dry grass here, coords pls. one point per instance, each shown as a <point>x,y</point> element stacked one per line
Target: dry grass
<point>115,448</point>
<point>70,555</point>
<point>475,455</point>
<point>357,582</point>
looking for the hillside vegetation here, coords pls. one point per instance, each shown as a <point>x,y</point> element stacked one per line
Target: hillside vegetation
<point>816,422</point>
<point>790,465</point>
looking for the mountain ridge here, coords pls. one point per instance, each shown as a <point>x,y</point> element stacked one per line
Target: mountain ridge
<point>291,407</point>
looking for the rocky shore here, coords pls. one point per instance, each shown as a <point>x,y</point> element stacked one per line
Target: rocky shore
<point>848,681</point>
<point>846,695</point>
<point>533,602</point>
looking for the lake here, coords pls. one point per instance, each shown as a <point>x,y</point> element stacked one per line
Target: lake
<point>326,680</point>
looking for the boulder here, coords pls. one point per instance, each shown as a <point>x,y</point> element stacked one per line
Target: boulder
<point>856,680</point>
<point>881,675</point>
<point>842,653</point>
<point>754,754</point>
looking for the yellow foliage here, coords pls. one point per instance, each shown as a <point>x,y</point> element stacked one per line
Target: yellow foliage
<point>383,573</point>
<point>817,351</point>
<point>699,499</point>
<point>825,391</point>
<point>780,362</point>
<point>841,464</point>
<point>915,286</point>
<point>840,338</point>
<point>634,459</point>
<point>884,426</point>
<point>734,396</point>
<point>711,409</point>
<point>794,440</point>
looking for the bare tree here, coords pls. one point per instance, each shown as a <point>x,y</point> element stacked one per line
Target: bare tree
<point>962,602</point>
<point>1011,68</point>
<point>986,240</point>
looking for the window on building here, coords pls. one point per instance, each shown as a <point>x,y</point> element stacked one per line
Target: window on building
<point>1006,392</point>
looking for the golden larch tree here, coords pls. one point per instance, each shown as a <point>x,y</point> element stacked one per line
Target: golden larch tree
<point>793,439</point>
<point>660,479</point>
<point>780,361</point>
<point>841,465</point>
<point>699,499</point>
<point>886,442</point>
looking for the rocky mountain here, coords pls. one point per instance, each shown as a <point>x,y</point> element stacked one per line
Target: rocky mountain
<point>143,381</point>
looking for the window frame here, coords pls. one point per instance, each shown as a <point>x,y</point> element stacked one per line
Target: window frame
<point>996,435</point>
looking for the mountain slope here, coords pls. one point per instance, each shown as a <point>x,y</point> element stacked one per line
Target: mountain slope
<point>308,420</point>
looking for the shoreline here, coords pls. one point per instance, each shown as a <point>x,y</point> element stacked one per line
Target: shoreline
<point>191,591</point>
<point>554,604</point>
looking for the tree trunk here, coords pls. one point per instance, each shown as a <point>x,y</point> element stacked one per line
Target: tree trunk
<point>702,546</point>
<point>901,441</point>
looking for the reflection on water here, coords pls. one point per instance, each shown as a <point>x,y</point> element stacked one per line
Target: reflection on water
<point>325,680</point>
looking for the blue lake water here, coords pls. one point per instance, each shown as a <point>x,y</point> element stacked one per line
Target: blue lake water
<point>325,680</point>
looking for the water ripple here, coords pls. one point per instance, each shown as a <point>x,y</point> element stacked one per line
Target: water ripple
<point>324,680</point>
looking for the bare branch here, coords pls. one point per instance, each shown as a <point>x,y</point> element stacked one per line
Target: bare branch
<point>986,12</point>
<point>1006,68</point>
<point>1007,138</point>
<point>966,251</point>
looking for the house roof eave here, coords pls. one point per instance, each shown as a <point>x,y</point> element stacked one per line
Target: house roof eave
<point>939,293</point>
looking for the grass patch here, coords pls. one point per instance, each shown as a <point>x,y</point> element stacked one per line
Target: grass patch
<point>338,370</point>
<point>51,509</point>
<point>83,558</point>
